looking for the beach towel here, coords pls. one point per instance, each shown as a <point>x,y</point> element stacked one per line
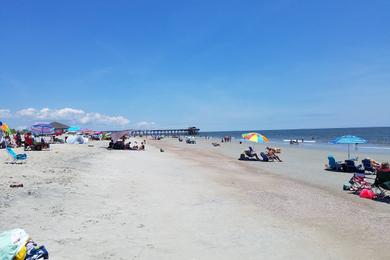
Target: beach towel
<point>16,156</point>
<point>11,242</point>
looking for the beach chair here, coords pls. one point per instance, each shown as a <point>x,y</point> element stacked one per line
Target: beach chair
<point>349,166</point>
<point>382,180</point>
<point>358,182</point>
<point>367,166</point>
<point>381,185</point>
<point>333,164</point>
<point>17,157</point>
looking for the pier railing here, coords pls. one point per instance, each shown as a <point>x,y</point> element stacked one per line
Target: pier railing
<point>169,132</point>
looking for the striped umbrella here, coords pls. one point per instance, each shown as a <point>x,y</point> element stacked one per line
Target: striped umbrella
<point>255,137</point>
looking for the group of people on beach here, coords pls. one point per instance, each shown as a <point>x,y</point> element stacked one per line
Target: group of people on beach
<point>122,145</point>
<point>226,139</point>
<point>28,141</point>
<point>269,155</point>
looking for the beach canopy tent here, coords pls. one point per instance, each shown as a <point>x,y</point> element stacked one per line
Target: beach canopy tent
<point>115,136</point>
<point>59,126</point>
<point>42,128</point>
<point>76,139</point>
<point>255,137</point>
<point>74,128</point>
<point>349,139</point>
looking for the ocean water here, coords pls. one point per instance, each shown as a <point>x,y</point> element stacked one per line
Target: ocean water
<point>378,138</point>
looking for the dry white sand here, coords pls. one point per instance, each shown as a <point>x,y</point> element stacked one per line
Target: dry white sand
<point>190,202</point>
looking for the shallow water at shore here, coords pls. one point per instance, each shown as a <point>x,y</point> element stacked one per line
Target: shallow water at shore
<point>378,138</point>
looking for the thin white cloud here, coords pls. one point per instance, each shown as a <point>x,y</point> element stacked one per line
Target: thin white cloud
<point>144,125</point>
<point>72,115</point>
<point>5,113</point>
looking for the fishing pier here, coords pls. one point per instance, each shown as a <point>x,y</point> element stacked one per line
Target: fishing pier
<point>170,132</point>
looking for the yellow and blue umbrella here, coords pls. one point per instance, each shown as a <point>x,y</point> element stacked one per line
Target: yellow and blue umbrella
<point>255,137</point>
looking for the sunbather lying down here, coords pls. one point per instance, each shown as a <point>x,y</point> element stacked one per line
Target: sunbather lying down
<point>215,144</point>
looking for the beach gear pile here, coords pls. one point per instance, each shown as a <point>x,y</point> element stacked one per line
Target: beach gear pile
<point>16,244</point>
<point>379,190</point>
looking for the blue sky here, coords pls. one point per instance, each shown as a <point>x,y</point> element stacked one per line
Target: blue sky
<point>218,65</point>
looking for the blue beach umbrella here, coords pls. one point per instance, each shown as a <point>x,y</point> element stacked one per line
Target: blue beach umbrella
<point>349,139</point>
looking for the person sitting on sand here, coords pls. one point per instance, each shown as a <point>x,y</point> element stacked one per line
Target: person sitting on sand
<point>385,167</point>
<point>111,144</point>
<point>382,174</point>
<point>271,154</point>
<point>135,146</point>
<point>28,141</point>
<point>141,147</point>
<point>8,141</point>
<point>375,164</point>
<point>251,153</point>
<point>269,149</point>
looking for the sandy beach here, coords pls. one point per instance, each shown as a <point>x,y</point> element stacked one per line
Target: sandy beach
<point>189,202</point>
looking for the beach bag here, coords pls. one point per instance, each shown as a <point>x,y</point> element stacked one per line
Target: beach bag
<point>35,252</point>
<point>21,156</point>
<point>367,194</point>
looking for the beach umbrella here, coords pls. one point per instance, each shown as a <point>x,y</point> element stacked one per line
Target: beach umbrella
<point>5,129</point>
<point>349,139</point>
<point>115,136</point>
<point>255,137</point>
<point>42,128</point>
